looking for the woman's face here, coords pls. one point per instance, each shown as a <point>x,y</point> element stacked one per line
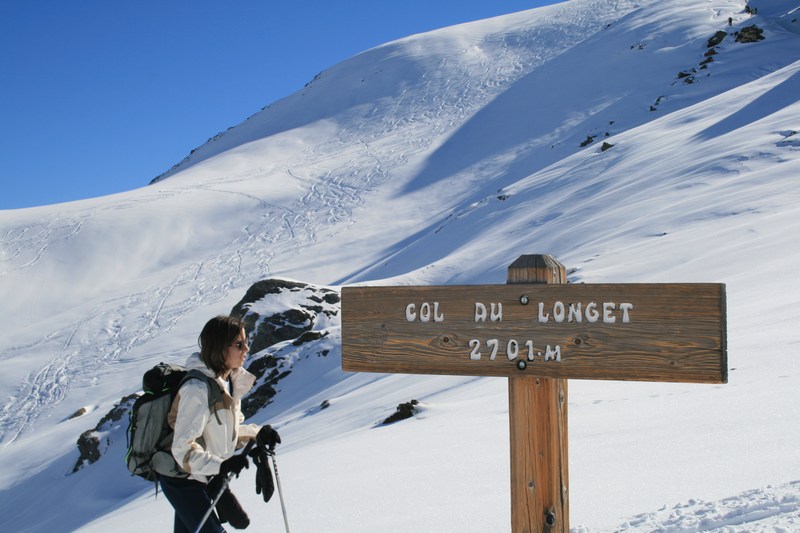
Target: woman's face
<point>236,352</point>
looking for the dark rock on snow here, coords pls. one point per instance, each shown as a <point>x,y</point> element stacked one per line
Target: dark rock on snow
<point>750,34</point>
<point>404,411</point>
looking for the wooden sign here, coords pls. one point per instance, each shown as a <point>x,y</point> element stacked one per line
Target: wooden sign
<point>539,331</point>
<point>643,332</point>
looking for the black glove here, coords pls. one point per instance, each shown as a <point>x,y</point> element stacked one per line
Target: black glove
<point>214,485</point>
<point>268,437</point>
<point>228,507</point>
<point>234,465</point>
<point>264,484</point>
<point>229,510</point>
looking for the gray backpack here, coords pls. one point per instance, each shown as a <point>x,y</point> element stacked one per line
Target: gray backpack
<point>149,434</point>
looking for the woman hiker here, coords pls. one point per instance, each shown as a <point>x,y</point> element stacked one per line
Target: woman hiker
<point>206,437</point>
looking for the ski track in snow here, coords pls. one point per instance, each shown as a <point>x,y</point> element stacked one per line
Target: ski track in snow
<point>27,244</point>
<point>757,510</point>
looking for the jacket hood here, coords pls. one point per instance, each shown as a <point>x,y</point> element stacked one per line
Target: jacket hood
<point>195,363</point>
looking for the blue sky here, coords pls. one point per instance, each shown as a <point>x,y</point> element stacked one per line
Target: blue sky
<point>99,97</point>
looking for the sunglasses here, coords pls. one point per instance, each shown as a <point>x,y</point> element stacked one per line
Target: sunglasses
<point>240,344</point>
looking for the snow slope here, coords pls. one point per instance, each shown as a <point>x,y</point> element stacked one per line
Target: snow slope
<point>439,159</point>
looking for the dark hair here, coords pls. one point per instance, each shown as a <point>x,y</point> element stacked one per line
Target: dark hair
<point>218,333</point>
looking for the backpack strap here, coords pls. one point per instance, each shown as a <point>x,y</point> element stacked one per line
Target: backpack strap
<point>214,390</point>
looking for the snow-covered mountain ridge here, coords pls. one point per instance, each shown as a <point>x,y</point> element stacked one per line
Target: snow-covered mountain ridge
<point>439,159</point>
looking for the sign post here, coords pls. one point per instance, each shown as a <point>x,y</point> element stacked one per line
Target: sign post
<point>539,331</point>
<point>537,412</point>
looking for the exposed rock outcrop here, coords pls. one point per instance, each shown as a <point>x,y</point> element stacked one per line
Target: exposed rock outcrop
<point>750,34</point>
<point>93,442</point>
<point>268,322</point>
<point>404,410</point>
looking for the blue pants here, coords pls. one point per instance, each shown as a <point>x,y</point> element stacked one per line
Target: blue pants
<point>191,501</point>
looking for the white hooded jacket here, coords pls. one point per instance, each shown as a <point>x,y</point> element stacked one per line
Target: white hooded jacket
<point>206,435</point>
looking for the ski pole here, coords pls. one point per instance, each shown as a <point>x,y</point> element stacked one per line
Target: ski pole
<point>221,491</point>
<point>280,491</point>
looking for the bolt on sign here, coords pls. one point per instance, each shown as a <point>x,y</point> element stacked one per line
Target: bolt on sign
<point>539,332</point>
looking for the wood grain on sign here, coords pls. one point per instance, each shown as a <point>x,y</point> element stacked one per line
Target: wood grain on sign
<point>641,332</point>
